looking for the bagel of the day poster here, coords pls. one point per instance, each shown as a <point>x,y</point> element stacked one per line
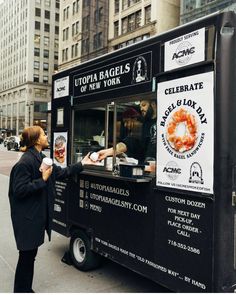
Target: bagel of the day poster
<point>60,148</point>
<point>185,132</point>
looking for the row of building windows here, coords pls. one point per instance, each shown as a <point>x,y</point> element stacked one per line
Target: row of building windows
<point>74,52</point>
<point>97,43</point>
<point>45,52</point>
<point>131,41</point>
<point>46,27</point>
<point>39,106</point>
<point>12,83</point>
<point>189,5</point>
<point>46,14</point>
<point>75,9</point>
<point>37,65</point>
<point>44,79</point>
<point>46,2</point>
<point>125,4</point>
<point>98,18</point>
<point>46,40</point>
<point>74,31</point>
<point>132,22</point>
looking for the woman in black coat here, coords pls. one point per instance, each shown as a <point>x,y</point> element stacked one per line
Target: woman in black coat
<point>31,195</point>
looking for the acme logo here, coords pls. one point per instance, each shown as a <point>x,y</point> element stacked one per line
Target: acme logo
<point>61,88</point>
<point>182,53</point>
<point>172,170</point>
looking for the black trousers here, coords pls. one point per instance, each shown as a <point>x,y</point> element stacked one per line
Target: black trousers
<point>25,271</point>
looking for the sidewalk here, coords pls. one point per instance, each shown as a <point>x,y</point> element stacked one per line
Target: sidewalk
<point>53,276</point>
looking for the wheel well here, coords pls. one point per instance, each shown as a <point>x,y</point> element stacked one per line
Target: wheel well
<point>76,227</point>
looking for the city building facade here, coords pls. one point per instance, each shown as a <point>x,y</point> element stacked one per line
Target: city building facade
<point>83,31</point>
<point>131,21</point>
<point>29,31</point>
<point>90,28</point>
<point>193,9</point>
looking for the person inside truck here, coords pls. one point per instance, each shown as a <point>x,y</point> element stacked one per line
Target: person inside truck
<point>31,196</point>
<point>149,129</point>
<point>146,145</point>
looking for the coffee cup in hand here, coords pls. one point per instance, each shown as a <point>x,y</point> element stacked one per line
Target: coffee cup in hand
<point>46,163</point>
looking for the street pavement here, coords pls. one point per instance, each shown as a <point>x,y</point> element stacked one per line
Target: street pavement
<point>51,275</point>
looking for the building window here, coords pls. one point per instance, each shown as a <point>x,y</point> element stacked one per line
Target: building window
<point>131,41</point>
<point>132,22</point>
<point>36,51</point>
<point>45,66</point>
<point>37,11</point>
<point>56,55</point>
<point>36,65</point>
<point>98,15</point>
<point>85,23</point>
<point>124,4</point>
<point>56,30</point>
<point>65,13</point>
<point>116,29</point>
<point>46,41</point>
<point>46,53</point>
<point>56,43</point>
<point>117,6</point>
<point>57,18</point>
<point>47,14</point>
<point>75,6</point>
<point>85,46</point>
<point>189,5</point>
<point>57,4</point>
<point>138,19</point>
<point>37,25</point>
<point>65,33</point>
<point>128,3</point>
<point>65,54</point>
<point>42,93</point>
<point>148,14</point>
<point>125,25</point>
<point>75,28</point>
<point>45,79</point>
<point>74,50</point>
<point>37,38</point>
<point>46,28</point>
<point>40,106</point>
<point>47,2</point>
<point>97,40</point>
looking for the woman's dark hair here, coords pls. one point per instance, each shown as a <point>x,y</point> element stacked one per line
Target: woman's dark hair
<point>29,137</point>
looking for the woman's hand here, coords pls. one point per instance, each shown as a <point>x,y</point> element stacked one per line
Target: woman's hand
<point>87,161</point>
<point>46,173</point>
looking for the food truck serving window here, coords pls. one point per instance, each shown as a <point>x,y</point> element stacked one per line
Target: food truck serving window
<point>121,132</point>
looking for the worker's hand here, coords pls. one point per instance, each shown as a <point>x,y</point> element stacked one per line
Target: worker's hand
<point>102,154</point>
<point>87,161</point>
<point>46,173</point>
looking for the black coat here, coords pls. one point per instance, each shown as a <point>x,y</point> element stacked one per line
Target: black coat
<point>32,199</point>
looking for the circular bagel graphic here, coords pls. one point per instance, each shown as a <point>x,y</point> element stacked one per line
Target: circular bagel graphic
<point>182,131</point>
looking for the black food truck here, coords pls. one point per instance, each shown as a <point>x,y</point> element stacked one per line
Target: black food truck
<point>162,201</point>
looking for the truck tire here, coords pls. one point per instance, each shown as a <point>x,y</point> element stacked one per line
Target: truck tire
<point>82,256</point>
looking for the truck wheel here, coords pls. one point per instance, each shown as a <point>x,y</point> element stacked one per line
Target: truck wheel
<point>82,256</point>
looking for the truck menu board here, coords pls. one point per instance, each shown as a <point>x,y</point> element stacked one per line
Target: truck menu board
<point>185,129</point>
